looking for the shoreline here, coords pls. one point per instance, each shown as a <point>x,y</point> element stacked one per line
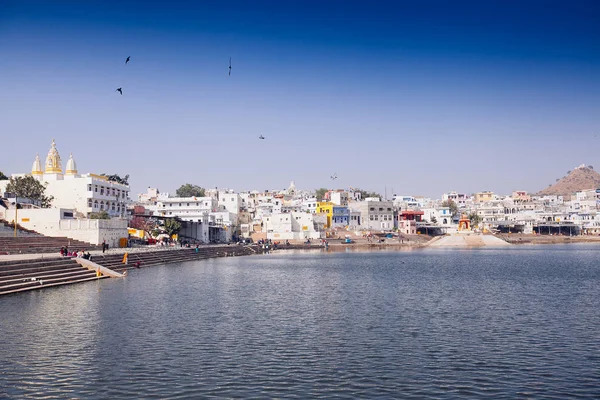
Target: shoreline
<point>359,243</point>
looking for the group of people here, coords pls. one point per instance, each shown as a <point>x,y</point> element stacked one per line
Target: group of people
<point>65,252</point>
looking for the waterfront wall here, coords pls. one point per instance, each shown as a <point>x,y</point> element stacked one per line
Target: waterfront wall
<point>52,222</point>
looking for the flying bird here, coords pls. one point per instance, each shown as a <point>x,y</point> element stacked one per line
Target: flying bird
<point>334,176</point>
<point>261,137</point>
<point>120,90</point>
<point>229,66</point>
<point>127,60</point>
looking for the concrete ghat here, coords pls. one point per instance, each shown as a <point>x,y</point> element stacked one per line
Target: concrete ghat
<point>469,240</point>
<point>97,267</point>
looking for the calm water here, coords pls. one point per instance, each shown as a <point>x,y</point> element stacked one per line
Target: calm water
<point>511,323</point>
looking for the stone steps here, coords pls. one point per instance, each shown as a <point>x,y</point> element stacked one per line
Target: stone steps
<point>19,276</point>
<point>15,276</point>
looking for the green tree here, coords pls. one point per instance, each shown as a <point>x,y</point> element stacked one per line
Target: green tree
<point>29,188</point>
<point>475,219</point>
<point>117,178</point>
<point>189,190</point>
<point>172,226</point>
<point>364,194</point>
<point>320,193</point>
<point>451,205</point>
<point>3,177</point>
<point>100,215</point>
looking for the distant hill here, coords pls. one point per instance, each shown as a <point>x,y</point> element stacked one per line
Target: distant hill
<point>581,178</point>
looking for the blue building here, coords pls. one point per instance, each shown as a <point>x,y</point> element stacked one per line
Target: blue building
<point>340,217</point>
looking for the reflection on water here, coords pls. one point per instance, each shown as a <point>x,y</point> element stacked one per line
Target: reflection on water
<point>519,322</point>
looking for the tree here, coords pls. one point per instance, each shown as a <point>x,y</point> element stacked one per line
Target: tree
<point>433,219</point>
<point>320,193</point>
<point>29,188</point>
<point>590,167</point>
<point>172,226</point>
<point>189,190</point>
<point>142,223</point>
<point>475,219</point>
<point>117,178</point>
<point>451,205</point>
<point>364,194</point>
<point>100,215</point>
<point>3,177</point>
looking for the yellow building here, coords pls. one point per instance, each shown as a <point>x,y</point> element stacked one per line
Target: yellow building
<point>484,196</point>
<point>325,207</point>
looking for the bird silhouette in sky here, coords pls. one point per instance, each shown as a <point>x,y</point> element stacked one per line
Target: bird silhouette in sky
<point>334,176</point>
<point>261,137</point>
<point>229,66</point>
<point>120,90</point>
<point>127,60</point>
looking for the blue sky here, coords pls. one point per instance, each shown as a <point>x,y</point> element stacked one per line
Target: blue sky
<point>414,97</point>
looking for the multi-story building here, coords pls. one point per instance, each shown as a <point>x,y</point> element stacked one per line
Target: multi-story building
<point>338,197</point>
<point>293,226</point>
<point>325,208</point>
<point>375,214</point>
<point>481,197</point>
<point>340,217</point>
<point>84,194</point>
<point>76,196</point>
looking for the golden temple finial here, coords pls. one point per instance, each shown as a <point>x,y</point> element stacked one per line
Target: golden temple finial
<point>53,163</point>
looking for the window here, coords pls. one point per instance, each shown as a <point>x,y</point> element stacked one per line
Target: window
<point>89,188</point>
<point>370,217</point>
<point>188,204</point>
<point>372,209</point>
<point>96,189</point>
<point>389,209</point>
<point>380,208</point>
<point>90,203</point>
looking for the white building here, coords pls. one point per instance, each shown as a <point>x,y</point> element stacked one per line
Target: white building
<point>150,197</point>
<point>310,205</point>
<point>339,197</point>
<point>75,197</point>
<point>294,226</point>
<point>85,194</point>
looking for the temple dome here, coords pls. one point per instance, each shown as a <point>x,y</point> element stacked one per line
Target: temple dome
<point>292,188</point>
<point>53,163</point>
<point>71,166</point>
<point>36,169</point>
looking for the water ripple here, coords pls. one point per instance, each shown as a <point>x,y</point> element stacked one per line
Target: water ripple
<point>426,324</point>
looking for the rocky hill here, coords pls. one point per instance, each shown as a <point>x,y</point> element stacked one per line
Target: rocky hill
<point>581,178</point>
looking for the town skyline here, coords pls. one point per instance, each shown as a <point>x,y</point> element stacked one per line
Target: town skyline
<point>421,100</point>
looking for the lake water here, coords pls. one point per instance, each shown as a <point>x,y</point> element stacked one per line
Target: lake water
<point>522,322</point>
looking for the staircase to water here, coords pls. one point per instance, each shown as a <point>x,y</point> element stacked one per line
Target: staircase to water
<point>23,275</point>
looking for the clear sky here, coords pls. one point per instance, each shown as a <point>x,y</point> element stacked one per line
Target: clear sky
<point>418,97</point>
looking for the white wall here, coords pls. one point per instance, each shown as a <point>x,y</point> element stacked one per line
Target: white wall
<point>50,222</point>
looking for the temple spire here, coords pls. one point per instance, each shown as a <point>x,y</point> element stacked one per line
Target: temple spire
<point>53,162</point>
<point>71,166</point>
<point>36,169</point>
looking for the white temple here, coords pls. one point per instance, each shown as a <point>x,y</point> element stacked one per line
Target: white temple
<point>75,196</point>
